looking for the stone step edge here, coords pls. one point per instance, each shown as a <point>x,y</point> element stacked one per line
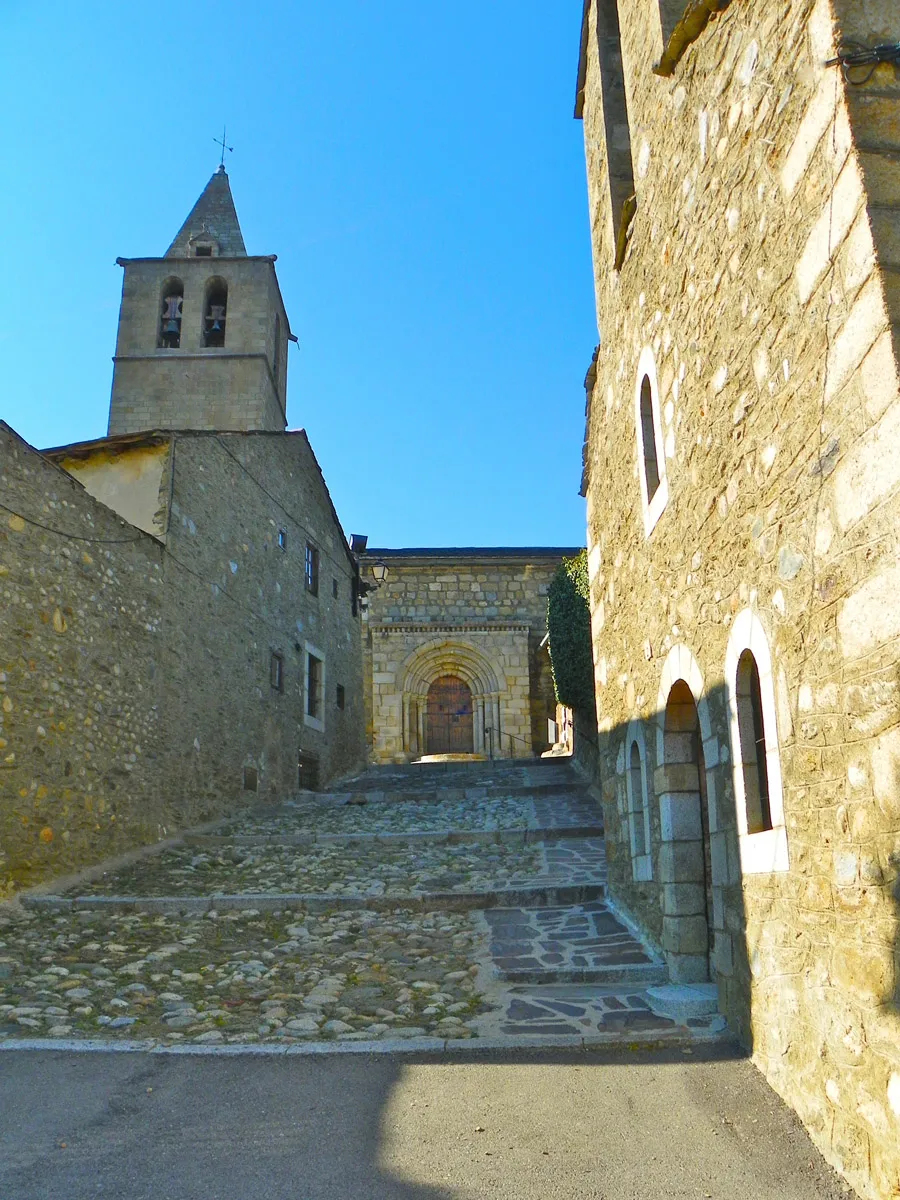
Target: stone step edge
<point>650,974</point>
<point>437,795</point>
<point>539,896</point>
<point>531,834</point>
<point>679,1036</point>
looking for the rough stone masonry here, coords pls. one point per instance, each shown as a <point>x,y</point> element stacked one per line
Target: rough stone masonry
<point>742,474</point>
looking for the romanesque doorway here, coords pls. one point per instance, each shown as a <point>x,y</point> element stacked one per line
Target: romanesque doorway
<point>449,725</point>
<point>688,920</point>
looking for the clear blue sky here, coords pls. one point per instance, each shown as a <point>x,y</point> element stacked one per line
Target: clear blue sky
<point>417,170</point>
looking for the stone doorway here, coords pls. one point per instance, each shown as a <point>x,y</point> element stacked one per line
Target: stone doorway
<point>686,854</point>
<point>449,723</point>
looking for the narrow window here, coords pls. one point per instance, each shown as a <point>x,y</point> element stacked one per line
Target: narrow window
<point>169,336</point>
<point>276,672</point>
<point>312,569</point>
<point>670,13</point>
<point>617,127</point>
<point>648,440</point>
<point>638,832</point>
<point>341,696</point>
<point>251,779</point>
<point>335,588</point>
<point>313,686</point>
<point>752,737</point>
<point>215,311</point>
<point>282,539</point>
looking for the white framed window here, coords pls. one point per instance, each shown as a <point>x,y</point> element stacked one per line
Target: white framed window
<point>314,688</point>
<point>638,803</point>
<point>650,447</point>
<point>755,756</point>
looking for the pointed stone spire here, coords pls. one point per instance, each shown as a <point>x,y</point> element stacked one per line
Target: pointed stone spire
<point>213,217</point>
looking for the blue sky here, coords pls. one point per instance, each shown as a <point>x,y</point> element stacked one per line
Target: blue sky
<point>418,172</point>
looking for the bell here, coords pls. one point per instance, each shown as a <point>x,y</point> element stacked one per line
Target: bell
<point>216,326</point>
<point>170,328</point>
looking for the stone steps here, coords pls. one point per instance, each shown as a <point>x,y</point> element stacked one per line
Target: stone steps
<point>530,834</point>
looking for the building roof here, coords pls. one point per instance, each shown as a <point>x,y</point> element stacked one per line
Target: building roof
<point>215,214</point>
<point>479,552</point>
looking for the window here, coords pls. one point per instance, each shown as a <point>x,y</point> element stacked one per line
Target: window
<point>335,588</point>
<point>617,126</point>
<point>638,805</point>
<point>203,251</point>
<point>651,451</point>
<point>752,738</point>
<point>313,685</point>
<point>312,569</point>
<point>276,672</point>
<point>341,697</point>
<point>282,539</point>
<point>172,300</point>
<point>215,311</point>
<point>648,438</point>
<point>251,779</point>
<point>755,756</point>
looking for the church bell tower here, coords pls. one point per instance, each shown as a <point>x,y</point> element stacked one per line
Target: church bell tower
<point>203,333</point>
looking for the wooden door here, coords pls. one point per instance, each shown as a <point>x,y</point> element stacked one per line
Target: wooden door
<point>449,726</point>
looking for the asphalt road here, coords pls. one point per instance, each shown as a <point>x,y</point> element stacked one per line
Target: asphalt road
<point>563,1126</point>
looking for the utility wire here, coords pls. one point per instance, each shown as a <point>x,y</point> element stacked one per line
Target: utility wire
<point>75,537</point>
<point>280,504</point>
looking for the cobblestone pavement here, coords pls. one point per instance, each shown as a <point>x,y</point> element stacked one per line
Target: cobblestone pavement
<point>267,966</point>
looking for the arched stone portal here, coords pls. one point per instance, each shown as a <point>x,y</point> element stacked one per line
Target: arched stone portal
<point>467,666</point>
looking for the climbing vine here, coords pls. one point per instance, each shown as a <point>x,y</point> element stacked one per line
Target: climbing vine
<point>569,627</point>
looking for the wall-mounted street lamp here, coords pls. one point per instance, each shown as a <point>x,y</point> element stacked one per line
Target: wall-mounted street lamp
<point>380,573</point>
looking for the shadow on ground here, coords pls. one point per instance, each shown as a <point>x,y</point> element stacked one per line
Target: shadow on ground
<point>573,1126</point>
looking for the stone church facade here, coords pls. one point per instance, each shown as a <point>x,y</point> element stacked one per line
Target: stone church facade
<point>179,616</point>
<point>455,652</point>
<point>742,475</point>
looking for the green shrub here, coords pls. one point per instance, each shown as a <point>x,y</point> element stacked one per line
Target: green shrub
<point>569,626</point>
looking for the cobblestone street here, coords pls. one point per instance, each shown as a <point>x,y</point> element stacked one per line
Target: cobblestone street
<point>431,906</point>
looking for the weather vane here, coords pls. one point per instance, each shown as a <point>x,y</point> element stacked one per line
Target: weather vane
<point>221,142</point>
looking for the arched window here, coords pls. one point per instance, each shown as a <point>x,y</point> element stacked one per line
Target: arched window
<point>638,804</point>
<point>756,762</point>
<point>651,451</point>
<point>752,738</point>
<point>171,300</point>
<point>215,309</point>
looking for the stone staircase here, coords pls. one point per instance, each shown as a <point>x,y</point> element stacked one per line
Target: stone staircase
<point>433,906</point>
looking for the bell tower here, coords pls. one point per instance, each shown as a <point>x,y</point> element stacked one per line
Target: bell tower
<point>203,332</point>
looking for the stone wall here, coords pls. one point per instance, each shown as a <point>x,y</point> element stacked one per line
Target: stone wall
<point>80,641</point>
<point>135,671</point>
<point>752,300</point>
<point>192,387</point>
<point>478,615</point>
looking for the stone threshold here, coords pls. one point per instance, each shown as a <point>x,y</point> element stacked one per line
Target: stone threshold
<point>452,837</point>
<point>682,1037</point>
<point>538,895</point>
<point>615,975</point>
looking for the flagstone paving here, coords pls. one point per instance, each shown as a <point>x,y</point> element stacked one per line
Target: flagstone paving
<point>288,954</point>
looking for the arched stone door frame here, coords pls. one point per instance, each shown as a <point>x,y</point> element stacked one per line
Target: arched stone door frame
<point>428,662</point>
<point>687,921</point>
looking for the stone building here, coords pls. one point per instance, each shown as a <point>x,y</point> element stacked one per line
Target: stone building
<point>742,474</point>
<point>179,618</point>
<point>455,653</point>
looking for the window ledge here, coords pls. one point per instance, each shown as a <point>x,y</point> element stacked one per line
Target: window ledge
<point>765,853</point>
<point>654,510</point>
<point>313,723</point>
<point>642,868</point>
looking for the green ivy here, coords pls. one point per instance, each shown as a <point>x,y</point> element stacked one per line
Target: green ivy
<point>569,626</point>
